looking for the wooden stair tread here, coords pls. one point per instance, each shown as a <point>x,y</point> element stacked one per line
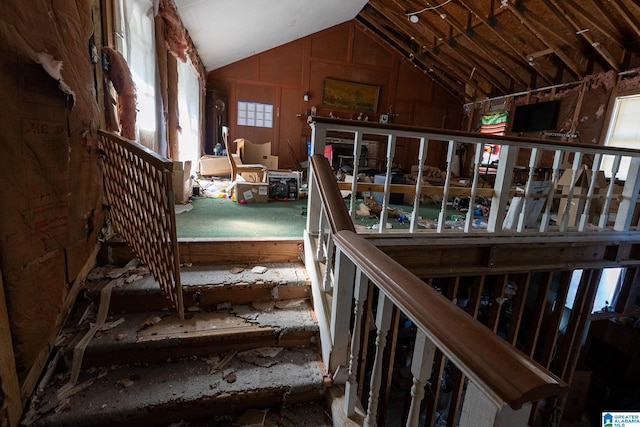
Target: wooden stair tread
<point>140,395</point>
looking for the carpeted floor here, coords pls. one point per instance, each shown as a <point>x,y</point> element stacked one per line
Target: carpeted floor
<point>210,217</point>
<point>223,218</point>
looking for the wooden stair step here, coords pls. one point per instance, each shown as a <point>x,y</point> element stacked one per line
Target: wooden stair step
<point>158,336</point>
<point>203,286</point>
<point>185,389</point>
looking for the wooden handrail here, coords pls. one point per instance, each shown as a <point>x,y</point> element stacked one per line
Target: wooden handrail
<point>504,373</point>
<point>149,156</point>
<point>483,356</point>
<point>338,217</point>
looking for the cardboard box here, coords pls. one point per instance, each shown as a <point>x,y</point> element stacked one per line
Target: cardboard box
<point>214,166</point>
<point>257,154</point>
<point>182,183</point>
<point>252,192</point>
<point>582,182</point>
<point>283,184</point>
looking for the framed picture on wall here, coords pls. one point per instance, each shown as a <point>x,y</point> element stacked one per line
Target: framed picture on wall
<point>350,96</point>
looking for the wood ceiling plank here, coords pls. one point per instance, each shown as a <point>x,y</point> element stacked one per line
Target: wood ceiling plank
<point>365,13</point>
<point>456,87</point>
<point>507,42</point>
<point>570,63</point>
<point>626,14</point>
<point>585,34</point>
<point>409,28</point>
<point>482,50</point>
<point>602,23</point>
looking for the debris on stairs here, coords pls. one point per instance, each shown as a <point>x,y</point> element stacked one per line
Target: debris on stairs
<point>248,342</point>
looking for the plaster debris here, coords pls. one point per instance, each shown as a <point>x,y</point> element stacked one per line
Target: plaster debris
<point>110,325</point>
<point>236,270</point>
<point>121,336</point>
<point>263,305</point>
<point>150,321</point>
<point>230,377</point>
<point>264,356</point>
<point>219,364</point>
<point>125,382</point>
<point>290,303</point>
<point>259,269</point>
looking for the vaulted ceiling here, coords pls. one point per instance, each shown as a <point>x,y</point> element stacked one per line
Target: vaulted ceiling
<point>484,48</point>
<point>474,48</point>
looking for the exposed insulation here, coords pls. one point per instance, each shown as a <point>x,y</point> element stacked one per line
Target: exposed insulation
<point>175,34</point>
<point>122,81</point>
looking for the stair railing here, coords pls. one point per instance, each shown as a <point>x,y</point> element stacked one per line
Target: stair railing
<point>502,382</point>
<point>139,190</point>
<point>530,169</point>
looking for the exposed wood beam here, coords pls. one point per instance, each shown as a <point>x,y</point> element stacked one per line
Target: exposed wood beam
<point>485,20</point>
<point>482,49</point>
<point>572,41</point>
<point>626,15</point>
<point>444,78</point>
<point>609,30</point>
<point>533,28</point>
<point>369,16</point>
<point>409,29</point>
<point>585,34</point>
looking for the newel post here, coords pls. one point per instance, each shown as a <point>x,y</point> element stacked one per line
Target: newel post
<point>478,410</point>
<point>344,277</point>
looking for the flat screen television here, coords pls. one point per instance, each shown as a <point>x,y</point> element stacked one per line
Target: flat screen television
<point>535,117</point>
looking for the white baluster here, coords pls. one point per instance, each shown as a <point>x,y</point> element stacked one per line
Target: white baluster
<point>416,201</point>
<point>383,323</point>
<point>357,151</point>
<point>351,387</point>
<point>577,165</point>
<point>629,196</point>
<point>604,216</point>
<point>501,188</point>
<point>544,224</point>
<point>595,168</point>
<point>474,186</point>
<point>328,270</point>
<point>320,254</point>
<point>421,364</point>
<point>391,149</point>
<point>442,217</point>
<point>533,161</point>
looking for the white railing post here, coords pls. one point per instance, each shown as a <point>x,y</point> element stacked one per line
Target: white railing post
<point>595,168</point>
<point>629,197</point>
<point>391,149</point>
<point>383,323</point>
<point>533,162</point>
<point>357,151</point>
<point>577,165</point>
<point>351,387</point>
<point>544,224</point>
<point>477,159</point>
<point>501,188</point>
<point>480,411</point>
<point>442,217</point>
<point>344,278</point>
<point>604,216</point>
<point>421,364</point>
<point>422,151</point>
<point>328,265</point>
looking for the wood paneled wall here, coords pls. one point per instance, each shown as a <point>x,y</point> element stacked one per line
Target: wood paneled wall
<point>346,52</point>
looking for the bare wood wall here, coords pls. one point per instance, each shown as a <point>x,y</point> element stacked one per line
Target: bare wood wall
<point>346,52</point>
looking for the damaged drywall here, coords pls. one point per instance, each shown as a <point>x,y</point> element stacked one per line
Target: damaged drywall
<point>51,192</point>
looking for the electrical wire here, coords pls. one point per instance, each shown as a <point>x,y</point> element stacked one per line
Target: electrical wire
<point>427,8</point>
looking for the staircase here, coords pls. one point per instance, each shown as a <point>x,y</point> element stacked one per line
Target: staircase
<point>245,354</point>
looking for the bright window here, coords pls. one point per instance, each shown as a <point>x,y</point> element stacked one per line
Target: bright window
<point>136,41</point>
<point>608,288</point>
<point>189,112</point>
<point>623,132</point>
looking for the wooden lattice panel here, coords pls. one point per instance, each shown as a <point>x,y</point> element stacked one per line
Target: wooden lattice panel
<point>140,193</point>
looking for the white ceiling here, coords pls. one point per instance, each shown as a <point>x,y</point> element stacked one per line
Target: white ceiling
<point>225,31</point>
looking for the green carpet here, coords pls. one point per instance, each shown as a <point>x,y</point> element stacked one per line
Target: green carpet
<point>222,218</point>
<point>213,217</point>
